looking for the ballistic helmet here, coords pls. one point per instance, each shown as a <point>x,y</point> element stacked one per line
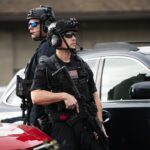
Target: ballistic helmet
<point>55,34</point>
<point>66,25</point>
<point>42,13</point>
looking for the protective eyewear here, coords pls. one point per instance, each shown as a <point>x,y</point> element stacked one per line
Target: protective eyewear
<point>33,24</point>
<point>70,34</point>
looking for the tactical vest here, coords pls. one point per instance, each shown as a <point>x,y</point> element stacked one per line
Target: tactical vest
<point>81,82</point>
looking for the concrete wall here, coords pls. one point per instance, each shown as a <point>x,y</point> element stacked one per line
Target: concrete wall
<point>16,46</point>
<point>108,31</point>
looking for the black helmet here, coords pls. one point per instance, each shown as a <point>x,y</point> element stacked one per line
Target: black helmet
<point>65,25</point>
<point>42,13</point>
<point>56,31</point>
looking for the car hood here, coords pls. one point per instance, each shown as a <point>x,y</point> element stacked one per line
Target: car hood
<point>20,136</point>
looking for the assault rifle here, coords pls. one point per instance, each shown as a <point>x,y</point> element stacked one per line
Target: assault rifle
<point>87,111</point>
<point>22,91</point>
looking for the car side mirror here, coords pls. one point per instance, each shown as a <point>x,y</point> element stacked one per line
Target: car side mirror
<point>140,90</point>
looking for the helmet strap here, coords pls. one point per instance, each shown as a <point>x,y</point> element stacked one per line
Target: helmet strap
<point>41,28</point>
<point>40,36</point>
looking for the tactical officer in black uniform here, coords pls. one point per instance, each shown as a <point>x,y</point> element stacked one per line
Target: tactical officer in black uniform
<point>38,21</point>
<point>64,85</point>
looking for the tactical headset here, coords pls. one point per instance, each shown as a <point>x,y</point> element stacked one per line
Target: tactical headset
<point>56,31</point>
<point>44,14</point>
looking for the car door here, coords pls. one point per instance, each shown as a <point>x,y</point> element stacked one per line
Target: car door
<point>129,127</point>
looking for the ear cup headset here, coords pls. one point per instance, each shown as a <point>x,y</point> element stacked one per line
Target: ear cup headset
<point>54,37</point>
<point>44,14</point>
<point>55,33</point>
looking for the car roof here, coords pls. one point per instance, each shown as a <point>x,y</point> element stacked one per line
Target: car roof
<point>117,49</point>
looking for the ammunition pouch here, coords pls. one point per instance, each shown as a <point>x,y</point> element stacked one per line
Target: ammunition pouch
<point>23,87</point>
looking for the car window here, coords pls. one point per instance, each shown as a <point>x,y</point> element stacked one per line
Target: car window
<point>13,99</point>
<point>118,75</point>
<point>93,64</point>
